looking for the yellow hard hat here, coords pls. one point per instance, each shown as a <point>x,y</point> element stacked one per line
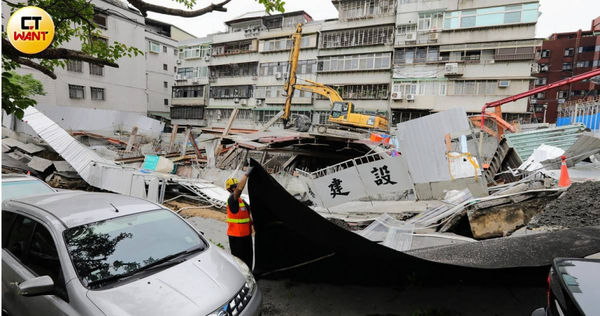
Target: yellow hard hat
<point>231,182</point>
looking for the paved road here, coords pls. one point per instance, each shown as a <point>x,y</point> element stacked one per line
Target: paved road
<point>284,297</point>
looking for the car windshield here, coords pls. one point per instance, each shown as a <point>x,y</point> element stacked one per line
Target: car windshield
<point>19,189</point>
<point>125,245</point>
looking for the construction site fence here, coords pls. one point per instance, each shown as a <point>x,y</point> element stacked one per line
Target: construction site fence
<point>586,112</point>
<point>345,164</point>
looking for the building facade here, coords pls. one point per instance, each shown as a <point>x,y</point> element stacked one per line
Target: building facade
<point>462,53</point>
<point>399,58</point>
<point>161,53</point>
<point>561,56</point>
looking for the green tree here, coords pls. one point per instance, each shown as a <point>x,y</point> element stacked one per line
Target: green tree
<point>74,19</point>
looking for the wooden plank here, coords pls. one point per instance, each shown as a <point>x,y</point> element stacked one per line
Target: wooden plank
<point>186,135</point>
<point>131,140</point>
<point>272,121</point>
<point>173,135</point>
<point>193,141</point>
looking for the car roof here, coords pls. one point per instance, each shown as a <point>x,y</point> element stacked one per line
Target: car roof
<point>74,208</point>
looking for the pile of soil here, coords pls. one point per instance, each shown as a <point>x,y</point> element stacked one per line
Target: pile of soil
<point>579,206</point>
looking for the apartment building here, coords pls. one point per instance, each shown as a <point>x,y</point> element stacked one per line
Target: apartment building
<point>189,95</point>
<point>161,53</point>
<point>462,53</point>
<point>561,56</point>
<point>90,86</point>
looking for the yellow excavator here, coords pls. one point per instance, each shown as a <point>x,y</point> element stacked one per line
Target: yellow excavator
<point>342,112</point>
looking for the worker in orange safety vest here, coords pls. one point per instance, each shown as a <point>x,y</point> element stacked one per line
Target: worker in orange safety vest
<point>239,222</point>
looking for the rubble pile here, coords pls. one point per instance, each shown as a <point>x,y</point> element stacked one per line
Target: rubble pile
<point>579,206</point>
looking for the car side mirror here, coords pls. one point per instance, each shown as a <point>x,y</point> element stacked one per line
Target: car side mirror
<point>42,285</point>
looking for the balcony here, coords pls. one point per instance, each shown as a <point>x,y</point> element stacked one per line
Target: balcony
<point>188,101</point>
<point>526,56</point>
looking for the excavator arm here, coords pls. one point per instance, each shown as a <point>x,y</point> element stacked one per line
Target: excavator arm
<point>290,83</point>
<point>320,89</point>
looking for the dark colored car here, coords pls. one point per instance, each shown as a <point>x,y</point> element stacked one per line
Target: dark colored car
<point>573,288</point>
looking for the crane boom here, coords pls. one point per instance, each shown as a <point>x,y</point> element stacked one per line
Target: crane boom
<point>290,84</point>
<point>577,78</point>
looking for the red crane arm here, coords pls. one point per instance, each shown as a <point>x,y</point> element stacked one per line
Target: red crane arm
<point>583,76</point>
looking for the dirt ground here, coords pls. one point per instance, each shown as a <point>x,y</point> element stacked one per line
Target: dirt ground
<point>579,206</point>
<point>193,210</point>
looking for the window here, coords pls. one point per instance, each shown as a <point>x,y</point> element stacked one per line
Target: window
<point>175,69</point>
<point>586,49</point>
<point>569,51</point>
<point>582,64</point>
<point>474,87</point>
<point>188,91</point>
<point>286,43</point>
<point>510,14</point>
<point>230,92</point>
<point>358,37</point>
<point>562,94</point>
<point>165,49</point>
<point>540,81</point>
<point>166,101</point>
<point>545,53</point>
<point>97,70</point>
<point>194,52</point>
<point>33,245</point>
<point>234,70</point>
<point>416,55</point>
<point>100,19</point>
<point>165,84</point>
<point>567,66</point>
<point>304,67</point>
<point>76,92</point>
<point>233,48</point>
<point>354,62</point>
<point>357,9</point>
<point>153,47</point>
<point>165,67</point>
<point>97,93</point>
<point>362,92</point>
<point>75,65</point>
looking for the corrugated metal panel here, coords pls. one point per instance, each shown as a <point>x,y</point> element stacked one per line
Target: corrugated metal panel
<point>76,154</point>
<point>562,137</point>
<point>422,143</point>
<point>586,145</point>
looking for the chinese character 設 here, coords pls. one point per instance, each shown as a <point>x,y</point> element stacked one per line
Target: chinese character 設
<point>382,175</point>
<point>336,188</point>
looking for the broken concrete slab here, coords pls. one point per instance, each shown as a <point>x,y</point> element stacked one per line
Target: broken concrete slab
<point>28,148</point>
<point>63,166</point>
<point>17,155</point>
<point>39,164</point>
<point>31,148</point>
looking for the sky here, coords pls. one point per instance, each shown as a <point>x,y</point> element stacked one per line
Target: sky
<point>557,15</point>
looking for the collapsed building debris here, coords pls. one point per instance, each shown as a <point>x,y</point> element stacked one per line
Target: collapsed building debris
<point>579,206</point>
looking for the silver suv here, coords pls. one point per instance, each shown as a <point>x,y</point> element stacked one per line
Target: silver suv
<point>80,253</point>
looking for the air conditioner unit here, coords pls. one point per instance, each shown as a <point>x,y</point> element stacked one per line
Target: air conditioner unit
<point>206,58</point>
<point>254,77</point>
<point>452,69</point>
<point>434,36</point>
<point>278,75</point>
<point>236,100</point>
<point>243,102</point>
<point>503,83</point>
<point>195,80</point>
<point>397,96</point>
<point>258,102</point>
<point>410,97</point>
<point>178,61</point>
<point>544,68</point>
<point>411,36</point>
